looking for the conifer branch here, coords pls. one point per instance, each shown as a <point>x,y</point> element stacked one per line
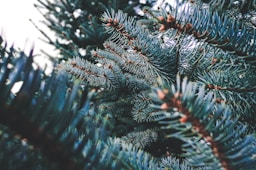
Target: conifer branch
<point>176,102</point>
<point>207,112</point>
<point>185,109</point>
<point>17,112</point>
<point>139,43</point>
<point>238,90</point>
<point>55,151</point>
<point>200,23</point>
<point>107,75</point>
<point>243,6</point>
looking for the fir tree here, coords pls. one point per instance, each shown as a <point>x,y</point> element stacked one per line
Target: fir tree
<point>173,88</point>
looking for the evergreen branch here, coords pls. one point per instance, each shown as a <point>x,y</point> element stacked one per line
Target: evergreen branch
<point>75,29</point>
<point>107,75</point>
<point>71,138</point>
<point>192,42</point>
<point>176,102</point>
<point>136,158</point>
<point>238,90</point>
<point>14,115</point>
<point>140,45</point>
<point>136,84</point>
<point>19,153</point>
<point>192,115</point>
<point>141,111</point>
<point>136,68</point>
<point>55,151</point>
<point>141,139</point>
<point>170,162</point>
<point>117,22</point>
<point>244,6</point>
<point>234,83</point>
<point>201,23</point>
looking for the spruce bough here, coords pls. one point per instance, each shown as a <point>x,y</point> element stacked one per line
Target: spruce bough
<point>174,89</point>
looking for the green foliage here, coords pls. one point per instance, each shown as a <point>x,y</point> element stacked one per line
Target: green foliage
<point>229,35</point>
<point>174,89</point>
<point>211,49</point>
<point>76,23</point>
<point>243,6</point>
<point>212,136</point>
<point>48,125</point>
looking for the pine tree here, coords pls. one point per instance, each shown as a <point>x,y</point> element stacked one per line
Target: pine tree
<point>173,88</point>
